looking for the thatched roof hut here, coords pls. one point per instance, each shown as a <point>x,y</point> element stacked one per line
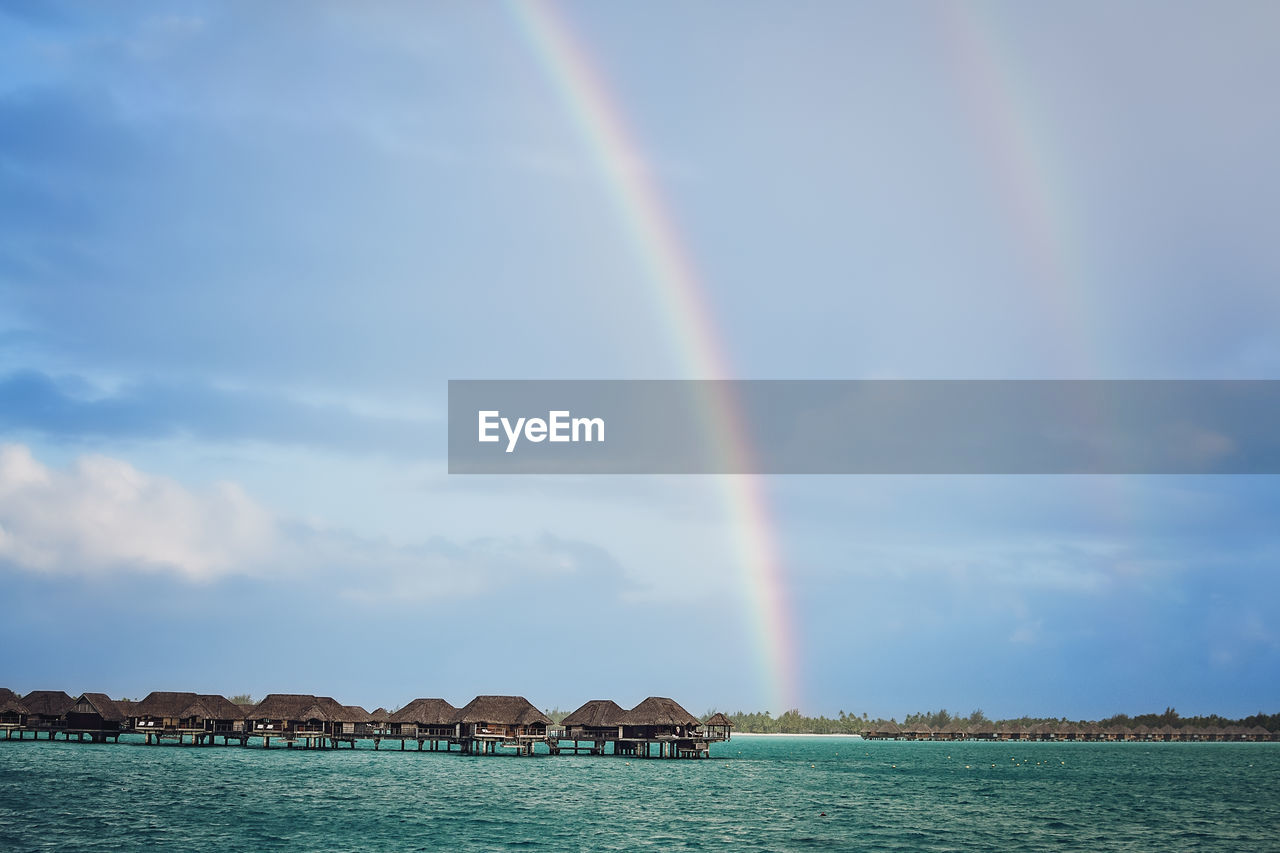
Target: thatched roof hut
<point>352,720</point>
<point>424,716</point>
<point>501,710</point>
<point>46,706</point>
<point>596,714</point>
<point>919,731</point>
<point>94,711</point>
<point>426,712</point>
<point>717,726</point>
<point>279,712</point>
<point>286,706</point>
<point>12,710</point>
<point>882,729</point>
<point>658,711</point>
<point>356,714</point>
<point>161,705</point>
<point>219,707</point>
<point>983,731</point>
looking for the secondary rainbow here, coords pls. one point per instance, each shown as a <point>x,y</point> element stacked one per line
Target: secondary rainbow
<point>638,203</point>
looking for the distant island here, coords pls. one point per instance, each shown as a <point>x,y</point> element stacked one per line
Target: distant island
<point>942,722</point>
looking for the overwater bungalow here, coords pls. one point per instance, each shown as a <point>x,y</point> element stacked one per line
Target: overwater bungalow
<point>130,710</point>
<point>201,716</point>
<point>597,718</point>
<point>596,722</point>
<point>429,719</point>
<point>657,717</point>
<point>662,721</point>
<point>96,715</point>
<point>983,731</point>
<point>918,731</point>
<point>425,720</point>
<point>351,723</point>
<point>1257,733</point>
<point>717,727</point>
<point>487,722</point>
<point>13,713</point>
<point>46,711</point>
<point>290,717</point>
<point>379,716</point>
<point>882,730</point>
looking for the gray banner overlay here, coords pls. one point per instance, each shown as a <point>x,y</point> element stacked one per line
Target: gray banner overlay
<point>864,427</point>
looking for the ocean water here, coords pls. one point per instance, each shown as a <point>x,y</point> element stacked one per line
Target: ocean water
<point>753,794</point>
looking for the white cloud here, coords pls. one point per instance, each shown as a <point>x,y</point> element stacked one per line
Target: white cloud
<point>102,514</point>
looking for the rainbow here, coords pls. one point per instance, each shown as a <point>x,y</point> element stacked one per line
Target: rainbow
<point>1013,133</point>
<point>670,268</point>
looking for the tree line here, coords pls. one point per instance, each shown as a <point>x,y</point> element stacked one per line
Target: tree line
<point>793,722</point>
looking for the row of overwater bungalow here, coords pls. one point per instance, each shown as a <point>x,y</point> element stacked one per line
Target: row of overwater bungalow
<point>484,725</point>
<point>1064,732</point>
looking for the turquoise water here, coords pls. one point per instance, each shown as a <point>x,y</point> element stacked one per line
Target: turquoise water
<point>753,794</point>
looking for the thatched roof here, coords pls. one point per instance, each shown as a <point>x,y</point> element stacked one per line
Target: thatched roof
<point>718,720</point>
<point>426,712</point>
<point>354,714</point>
<point>48,703</point>
<point>11,704</point>
<point>288,706</point>
<point>380,715</point>
<point>6,693</point>
<point>104,705</point>
<point>505,710</point>
<point>658,711</point>
<point>164,703</point>
<point>214,706</point>
<point>127,707</point>
<point>597,713</point>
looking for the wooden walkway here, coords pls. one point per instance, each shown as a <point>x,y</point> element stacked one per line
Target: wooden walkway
<point>556,741</point>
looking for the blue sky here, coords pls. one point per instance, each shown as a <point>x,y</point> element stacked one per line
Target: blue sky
<point>243,248</point>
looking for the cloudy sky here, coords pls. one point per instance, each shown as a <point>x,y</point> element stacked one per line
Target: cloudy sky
<point>244,246</point>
